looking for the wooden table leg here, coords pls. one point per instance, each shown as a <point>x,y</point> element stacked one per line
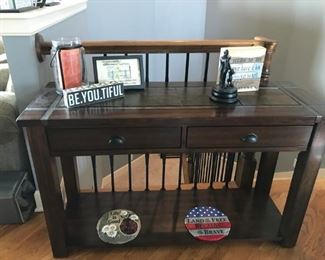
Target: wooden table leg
<point>266,172</point>
<point>49,186</point>
<point>70,176</point>
<point>301,187</point>
<point>245,170</point>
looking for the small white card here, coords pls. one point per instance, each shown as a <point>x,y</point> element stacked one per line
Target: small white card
<point>23,3</point>
<point>247,63</point>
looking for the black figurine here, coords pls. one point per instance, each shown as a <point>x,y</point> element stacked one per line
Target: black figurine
<point>225,67</point>
<point>225,92</point>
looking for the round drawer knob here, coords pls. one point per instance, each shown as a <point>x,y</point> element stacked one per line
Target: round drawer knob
<point>250,138</point>
<point>116,140</point>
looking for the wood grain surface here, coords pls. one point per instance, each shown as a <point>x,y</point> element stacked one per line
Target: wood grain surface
<point>30,241</point>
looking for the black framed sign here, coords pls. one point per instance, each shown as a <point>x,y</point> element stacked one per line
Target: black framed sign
<point>121,69</point>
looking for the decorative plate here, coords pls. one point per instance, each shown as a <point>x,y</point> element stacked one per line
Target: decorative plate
<point>207,223</point>
<point>118,226</point>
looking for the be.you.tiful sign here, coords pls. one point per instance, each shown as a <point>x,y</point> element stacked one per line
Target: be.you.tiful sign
<point>94,93</point>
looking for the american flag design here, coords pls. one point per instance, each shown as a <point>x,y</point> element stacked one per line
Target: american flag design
<point>207,223</point>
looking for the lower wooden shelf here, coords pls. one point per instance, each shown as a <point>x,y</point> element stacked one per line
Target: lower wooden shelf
<point>162,215</point>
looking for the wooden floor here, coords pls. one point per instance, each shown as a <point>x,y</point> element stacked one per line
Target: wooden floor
<point>30,241</point>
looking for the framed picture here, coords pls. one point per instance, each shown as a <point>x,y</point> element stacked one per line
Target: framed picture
<point>122,69</point>
<point>16,6</point>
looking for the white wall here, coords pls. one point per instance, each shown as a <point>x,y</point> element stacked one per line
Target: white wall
<point>305,59</point>
<point>149,20</point>
<point>146,19</point>
<point>297,26</point>
<point>138,20</point>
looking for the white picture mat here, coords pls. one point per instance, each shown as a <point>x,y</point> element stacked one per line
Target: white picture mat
<point>23,3</point>
<point>6,4</point>
<point>126,71</point>
<point>15,4</point>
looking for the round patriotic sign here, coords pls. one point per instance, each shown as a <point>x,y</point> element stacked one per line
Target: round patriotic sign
<point>207,223</point>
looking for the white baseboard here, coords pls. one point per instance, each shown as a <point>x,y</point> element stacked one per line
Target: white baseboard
<point>38,200</point>
<point>288,175</point>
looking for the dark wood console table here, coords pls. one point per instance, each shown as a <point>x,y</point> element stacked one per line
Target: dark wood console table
<point>165,118</point>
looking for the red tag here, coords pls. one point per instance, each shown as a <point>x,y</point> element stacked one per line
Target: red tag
<point>71,67</point>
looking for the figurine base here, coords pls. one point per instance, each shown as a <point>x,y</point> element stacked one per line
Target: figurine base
<point>226,95</point>
<point>224,101</point>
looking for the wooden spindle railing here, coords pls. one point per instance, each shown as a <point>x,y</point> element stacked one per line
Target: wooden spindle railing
<point>177,46</point>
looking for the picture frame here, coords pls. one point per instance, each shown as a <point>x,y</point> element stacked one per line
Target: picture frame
<point>122,69</point>
<point>16,6</point>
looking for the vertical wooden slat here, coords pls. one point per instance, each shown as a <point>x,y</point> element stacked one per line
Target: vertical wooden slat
<point>205,173</point>
<point>130,172</point>
<point>193,167</point>
<point>245,170</point>
<point>175,213</point>
<point>210,166</point>
<point>270,49</point>
<point>147,170</point>
<point>196,171</point>
<point>203,167</point>
<point>93,162</point>
<point>219,167</point>
<point>111,160</point>
<point>207,167</point>
<point>199,167</point>
<point>180,171</point>
<point>163,157</point>
<point>187,167</point>
<point>223,166</point>
<point>187,64</point>
<point>188,175</point>
<point>147,67</point>
<point>229,168</point>
<point>214,168</point>
<point>206,69</point>
<point>167,68</point>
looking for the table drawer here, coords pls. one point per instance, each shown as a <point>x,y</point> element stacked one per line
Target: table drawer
<point>90,139</point>
<point>246,137</point>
